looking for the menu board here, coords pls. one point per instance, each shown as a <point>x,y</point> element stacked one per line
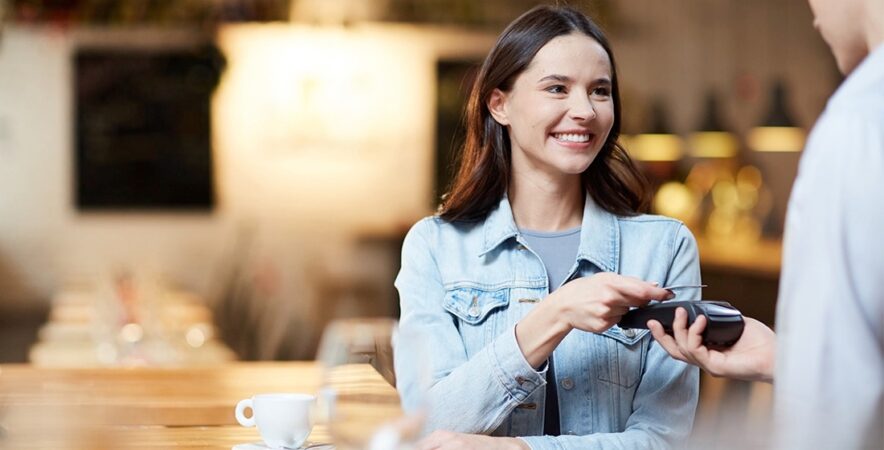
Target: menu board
<point>143,128</point>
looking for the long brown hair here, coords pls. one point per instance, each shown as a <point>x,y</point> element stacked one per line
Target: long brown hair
<point>613,180</point>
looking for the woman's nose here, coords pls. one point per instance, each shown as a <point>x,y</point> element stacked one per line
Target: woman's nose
<point>581,108</point>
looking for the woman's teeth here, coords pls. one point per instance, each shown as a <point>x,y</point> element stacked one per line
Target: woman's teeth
<point>571,137</point>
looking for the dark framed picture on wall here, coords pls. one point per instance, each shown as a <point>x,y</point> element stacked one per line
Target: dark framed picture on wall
<point>143,127</point>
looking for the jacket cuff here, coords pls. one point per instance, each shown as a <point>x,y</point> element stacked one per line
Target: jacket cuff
<point>512,369</point>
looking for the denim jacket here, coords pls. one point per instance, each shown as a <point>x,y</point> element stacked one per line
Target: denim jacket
<point>464,286</point>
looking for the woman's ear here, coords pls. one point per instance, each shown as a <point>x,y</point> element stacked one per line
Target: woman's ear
<point>497,107</point>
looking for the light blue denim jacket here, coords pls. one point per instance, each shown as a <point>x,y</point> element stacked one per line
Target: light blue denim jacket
<point>463,287</point>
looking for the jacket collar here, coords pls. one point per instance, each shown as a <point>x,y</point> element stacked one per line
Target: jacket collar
<point>599,233</point>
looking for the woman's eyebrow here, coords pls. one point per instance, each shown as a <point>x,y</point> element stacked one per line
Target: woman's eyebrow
<point>555,77</point>
<point>567,79</point>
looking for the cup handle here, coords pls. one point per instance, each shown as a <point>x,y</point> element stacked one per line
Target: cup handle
<point>241,417</point>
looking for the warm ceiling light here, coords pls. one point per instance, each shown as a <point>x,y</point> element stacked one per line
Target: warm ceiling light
<point>659,143</point>
<point>712,140</point>
<point>778,132</point>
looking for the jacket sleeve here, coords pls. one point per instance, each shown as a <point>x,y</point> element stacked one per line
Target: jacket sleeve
<point>472,395</point>
<point>666,398</point>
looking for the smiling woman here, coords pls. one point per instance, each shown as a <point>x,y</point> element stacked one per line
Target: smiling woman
<point>551,79</point>
<point>537,251</point>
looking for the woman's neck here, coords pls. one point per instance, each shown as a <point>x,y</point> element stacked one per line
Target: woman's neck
<point>547,204</point>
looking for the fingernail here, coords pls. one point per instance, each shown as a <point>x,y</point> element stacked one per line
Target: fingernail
<point>671,294</point>
<point>655,283</point>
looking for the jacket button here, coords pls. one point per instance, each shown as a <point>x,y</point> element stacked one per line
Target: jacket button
<point>629,332</point>
<point>474,307</point>
<point>568,383</point>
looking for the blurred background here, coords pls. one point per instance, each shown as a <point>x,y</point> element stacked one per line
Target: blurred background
<point>193,181</point>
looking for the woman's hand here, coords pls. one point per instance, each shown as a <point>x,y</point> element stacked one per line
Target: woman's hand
<point>444,440</point>
<point>592,304</point>
<point>598,302</point>
<point>750,358</point>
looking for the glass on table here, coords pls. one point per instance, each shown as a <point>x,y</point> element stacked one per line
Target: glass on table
<point>357,400</point>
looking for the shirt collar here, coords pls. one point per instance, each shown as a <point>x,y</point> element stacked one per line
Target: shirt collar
<point>869,73</point>
<point>599,233</point>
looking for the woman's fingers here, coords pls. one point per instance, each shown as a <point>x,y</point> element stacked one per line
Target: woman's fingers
<point>647,291</point>
<point>636,292</point>
<point>600,301</point>
<point>615,312</point>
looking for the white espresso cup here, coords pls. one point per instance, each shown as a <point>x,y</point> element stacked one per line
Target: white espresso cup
<point>282,419</point>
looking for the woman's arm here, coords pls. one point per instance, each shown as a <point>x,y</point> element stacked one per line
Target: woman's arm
<point>592,304</point>
<point>466,395</point>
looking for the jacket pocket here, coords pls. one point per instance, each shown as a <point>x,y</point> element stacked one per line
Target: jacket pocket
<point>625,355</point>
<point>474,310</point>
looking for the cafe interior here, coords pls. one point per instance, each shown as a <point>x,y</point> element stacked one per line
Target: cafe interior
<point>204,200</point>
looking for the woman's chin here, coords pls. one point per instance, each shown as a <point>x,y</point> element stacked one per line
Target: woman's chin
<point>575,167</point>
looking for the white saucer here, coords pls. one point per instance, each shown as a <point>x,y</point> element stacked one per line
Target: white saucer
<point>263,446</point>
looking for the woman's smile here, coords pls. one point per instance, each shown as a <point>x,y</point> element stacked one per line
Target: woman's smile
<point>577,140</point>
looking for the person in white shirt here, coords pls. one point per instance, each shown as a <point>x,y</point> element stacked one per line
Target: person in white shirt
<point>829,345</point>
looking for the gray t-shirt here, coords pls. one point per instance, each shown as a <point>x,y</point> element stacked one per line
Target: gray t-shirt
<point>557,250</point>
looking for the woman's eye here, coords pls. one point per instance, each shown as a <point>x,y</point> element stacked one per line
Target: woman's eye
<point>601,91</point>
<point>557,89</point>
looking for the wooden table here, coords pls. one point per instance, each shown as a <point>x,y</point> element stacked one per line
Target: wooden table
<point>147,407</point>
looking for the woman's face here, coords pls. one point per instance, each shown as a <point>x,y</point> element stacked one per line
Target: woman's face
<point>560,110</point>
